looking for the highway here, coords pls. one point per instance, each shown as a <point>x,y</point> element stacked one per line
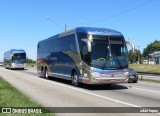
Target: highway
<point>60,93</point>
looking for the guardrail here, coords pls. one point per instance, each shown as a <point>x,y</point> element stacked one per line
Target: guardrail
<point>149,76</point>
<point>149,73</point>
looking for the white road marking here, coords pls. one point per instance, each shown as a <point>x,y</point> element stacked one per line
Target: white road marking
<point>81,90</point>
<point>146,90</point>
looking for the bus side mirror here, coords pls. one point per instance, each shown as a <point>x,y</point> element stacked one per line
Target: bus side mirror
<point>89,46</point>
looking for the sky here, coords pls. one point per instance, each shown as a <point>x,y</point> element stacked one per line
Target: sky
<point>24,22</point>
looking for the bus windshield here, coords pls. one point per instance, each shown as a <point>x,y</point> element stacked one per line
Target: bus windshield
<point>107,52</point>
<point>19,58</point>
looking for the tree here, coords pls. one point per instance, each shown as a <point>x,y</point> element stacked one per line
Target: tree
<point>133,57</point>
<point>152,47</point>
<point>30,60</point>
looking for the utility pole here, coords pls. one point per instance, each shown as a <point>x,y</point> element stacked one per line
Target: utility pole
<point>65,28</point>
<point>138,54</point>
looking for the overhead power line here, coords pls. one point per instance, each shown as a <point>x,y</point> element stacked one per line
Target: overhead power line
<point>58,25</point>
<point>121,13</point>
<point>65,27</point>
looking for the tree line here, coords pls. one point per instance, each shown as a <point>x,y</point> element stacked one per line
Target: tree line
<point>30,61</point>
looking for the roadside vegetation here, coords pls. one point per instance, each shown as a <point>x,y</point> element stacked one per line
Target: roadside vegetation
<point>138,57</point>
<point>10,97</point>
<point>145,67</point>
<point>31,63</point>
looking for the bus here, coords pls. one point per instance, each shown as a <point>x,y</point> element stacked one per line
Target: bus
<point>15,59</point>
<point>1,63</point>
<point>84,55</point>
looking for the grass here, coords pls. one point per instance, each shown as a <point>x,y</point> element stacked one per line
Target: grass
<point>10,97</point>
<point>145,67</point>
<point>31,64</point>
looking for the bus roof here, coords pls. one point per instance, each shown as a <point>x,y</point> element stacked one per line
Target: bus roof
<point>98,31</point>
<point>17,51</point>
<point>89,30</point>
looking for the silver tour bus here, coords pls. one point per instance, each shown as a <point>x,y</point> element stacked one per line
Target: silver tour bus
<point>15,59</point>
<point>84,55</point>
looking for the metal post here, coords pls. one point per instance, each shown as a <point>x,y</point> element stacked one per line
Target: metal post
<point>138,54</point>
<point>65,28</point>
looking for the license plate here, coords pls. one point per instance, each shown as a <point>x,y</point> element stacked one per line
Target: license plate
<point>131,77</point>
<point>113,80</point>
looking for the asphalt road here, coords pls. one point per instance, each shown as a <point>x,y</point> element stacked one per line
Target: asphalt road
<point>60,93</point>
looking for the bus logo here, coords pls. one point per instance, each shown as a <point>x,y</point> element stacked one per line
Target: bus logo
<point>112,63</point>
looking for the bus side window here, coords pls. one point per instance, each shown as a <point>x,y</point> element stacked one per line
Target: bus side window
<point>72,48</point>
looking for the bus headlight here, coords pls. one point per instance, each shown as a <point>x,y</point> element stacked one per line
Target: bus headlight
<point>13,65</point>
<point>96,74</point>
<point>126,74</point>
<point>25,65</point>
<point>91,68</point>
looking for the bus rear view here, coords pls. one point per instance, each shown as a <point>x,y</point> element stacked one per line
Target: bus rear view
<point>15,59</point>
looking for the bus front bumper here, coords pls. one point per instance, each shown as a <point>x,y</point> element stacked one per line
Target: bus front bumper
<point>106,79</point>
<point>18,65</point>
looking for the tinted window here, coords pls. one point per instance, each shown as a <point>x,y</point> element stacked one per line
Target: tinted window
<point>65,43</point>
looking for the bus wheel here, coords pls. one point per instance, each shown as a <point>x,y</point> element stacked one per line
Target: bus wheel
<point>75,79</point>
<point>46,74</point>
<point>43,73</point>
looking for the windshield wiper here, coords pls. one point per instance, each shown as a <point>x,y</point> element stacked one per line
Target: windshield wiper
<point>112,58</point>
<point>115,57</point>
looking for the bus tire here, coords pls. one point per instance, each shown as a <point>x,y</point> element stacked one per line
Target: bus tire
<point>43,73</point>
<point>135,81</point>
<point>46,74</point>
<point>75,79</point>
